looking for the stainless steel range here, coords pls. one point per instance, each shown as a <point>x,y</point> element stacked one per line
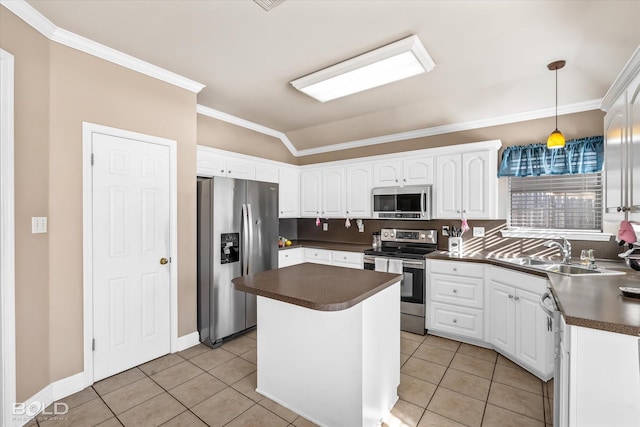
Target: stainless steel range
<point>403,251</point>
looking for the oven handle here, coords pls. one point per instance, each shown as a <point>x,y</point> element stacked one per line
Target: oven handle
<point>411,263</point>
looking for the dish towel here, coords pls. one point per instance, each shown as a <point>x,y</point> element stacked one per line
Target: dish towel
<point>395,266</point>
<point>626,233</point>
<point>381,264</point>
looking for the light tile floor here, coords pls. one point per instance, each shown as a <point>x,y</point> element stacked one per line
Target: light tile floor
<point>443,383</point>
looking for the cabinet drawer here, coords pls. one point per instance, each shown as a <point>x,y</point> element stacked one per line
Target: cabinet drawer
<point>456,268</point>
<point>456,320</point>
<point>289,257</point>
<point>466,291</point>
<point>320,256</point>
<point>342,257</point>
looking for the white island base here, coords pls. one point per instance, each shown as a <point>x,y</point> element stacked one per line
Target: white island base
<point>335,368</point>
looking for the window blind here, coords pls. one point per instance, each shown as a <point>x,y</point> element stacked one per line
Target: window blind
<point>566,202</point>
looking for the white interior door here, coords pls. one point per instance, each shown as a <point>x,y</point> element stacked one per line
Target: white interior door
<point>131,240</point>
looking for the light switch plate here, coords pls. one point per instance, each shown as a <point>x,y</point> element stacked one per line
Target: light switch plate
<point>478,231</point>
<point>38,224</point>
<point>325,226</point>
<point>445,230</point>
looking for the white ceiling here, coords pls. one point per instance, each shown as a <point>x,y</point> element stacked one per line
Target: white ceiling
<point>490,56</point>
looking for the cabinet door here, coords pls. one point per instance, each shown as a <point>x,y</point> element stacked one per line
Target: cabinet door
<point>310,192</point>
<point>501,316</point>
<point>333,186</point>
<point>387,174</point>
<point>418,171</point>
<point>242,169</point>
<point>317,256</point>
<point>267,173</point>
<point>615,128</point>
<point>633,152</point>
<point>358,191</point>
<point>533,332</point>
<point>289,193</point>
<point>479,185</point>
<point>447,186</point>
<point>209,164</point>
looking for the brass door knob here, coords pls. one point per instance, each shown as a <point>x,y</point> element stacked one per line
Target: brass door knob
<point>164,261</point>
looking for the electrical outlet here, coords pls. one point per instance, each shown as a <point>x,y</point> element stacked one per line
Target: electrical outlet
<point>445,230</point>
<point>38,224</point>
<point>478,231</point>
<point>325,226</point>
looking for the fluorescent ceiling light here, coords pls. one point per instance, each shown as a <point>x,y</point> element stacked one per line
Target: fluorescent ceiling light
<point>390,63</point>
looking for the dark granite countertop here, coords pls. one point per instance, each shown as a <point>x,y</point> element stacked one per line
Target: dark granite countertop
<point>316,244</point>
<point>589,301</point>
<point>317,286</point>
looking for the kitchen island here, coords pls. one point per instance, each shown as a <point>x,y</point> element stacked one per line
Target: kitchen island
<point>328,341</point>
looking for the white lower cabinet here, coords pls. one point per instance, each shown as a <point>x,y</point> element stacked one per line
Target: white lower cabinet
<point>456,298</point>
<point>604,379</point>
<point>347,259</point>
<point>517,325</point>
<point>287,257</point>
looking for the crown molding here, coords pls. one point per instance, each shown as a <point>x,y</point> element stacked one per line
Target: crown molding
<point>630,70</point>
<point>225,117</point>
<point>39,22</point>
<point>457,127</point>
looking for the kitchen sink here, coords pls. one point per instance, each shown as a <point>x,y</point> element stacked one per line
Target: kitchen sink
<point>571,270</point>
<point>555,267</point>
<point>527,261</point>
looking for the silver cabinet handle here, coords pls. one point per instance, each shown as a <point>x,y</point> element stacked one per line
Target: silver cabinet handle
<point>510,296</point>
<point>517,298</point>
<point>455,320</point>
<point>455,291</point>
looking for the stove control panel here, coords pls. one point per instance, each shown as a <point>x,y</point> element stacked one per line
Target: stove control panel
<point>409,236</point>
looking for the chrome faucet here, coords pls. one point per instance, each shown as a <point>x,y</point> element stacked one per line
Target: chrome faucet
<point>564,249</point>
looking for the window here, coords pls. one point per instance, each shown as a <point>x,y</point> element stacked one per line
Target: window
<point>560,202</point>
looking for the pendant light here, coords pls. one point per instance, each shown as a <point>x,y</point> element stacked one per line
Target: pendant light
<point>556,139</point>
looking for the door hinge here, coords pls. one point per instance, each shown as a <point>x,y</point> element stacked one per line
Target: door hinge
<point>93,344</point>
<point>91,159</point>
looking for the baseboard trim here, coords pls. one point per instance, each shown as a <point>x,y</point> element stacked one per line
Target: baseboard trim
<point>187,341</point>
<point>49,394</point>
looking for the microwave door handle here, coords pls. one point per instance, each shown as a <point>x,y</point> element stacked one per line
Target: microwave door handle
<point>422,208</point>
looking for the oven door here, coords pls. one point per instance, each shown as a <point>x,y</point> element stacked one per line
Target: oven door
<point>412,284</point>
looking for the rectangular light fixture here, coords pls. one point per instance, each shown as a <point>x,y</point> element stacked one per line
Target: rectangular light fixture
<point>387,64</point>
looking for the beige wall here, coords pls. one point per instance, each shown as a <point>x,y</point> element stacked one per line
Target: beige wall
<point>57,88</point>
<point>573,126</point>
<point>31,125</point>
<point>226,136</point>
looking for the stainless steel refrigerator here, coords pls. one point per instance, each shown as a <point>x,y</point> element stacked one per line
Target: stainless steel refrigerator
<point>237,235</point>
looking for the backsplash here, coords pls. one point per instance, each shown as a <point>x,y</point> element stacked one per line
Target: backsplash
<point>492,242</point>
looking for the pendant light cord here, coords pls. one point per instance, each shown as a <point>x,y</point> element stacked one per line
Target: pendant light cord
<point>556,99</point>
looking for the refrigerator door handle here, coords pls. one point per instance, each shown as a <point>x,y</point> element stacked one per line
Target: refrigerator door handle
<point>250,238</point>
<point>245,240</point>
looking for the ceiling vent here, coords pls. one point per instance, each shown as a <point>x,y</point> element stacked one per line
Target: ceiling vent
<point>268,4</point>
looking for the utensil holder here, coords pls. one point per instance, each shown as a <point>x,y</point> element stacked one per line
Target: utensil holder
<point>455,245</point>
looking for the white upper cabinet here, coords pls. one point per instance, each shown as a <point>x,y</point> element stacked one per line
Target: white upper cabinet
<point>466,184</point>
<point>310,192</point>
<point>418,171</point>
<point>401,172</point>
<point>387,173</point>
<point>622,153</point>
<point>210,164</point>
<point>333,192</point>
<point>358,191</point>
<point>289,193</point>
<point>267,173</point>
<point>241,169</point>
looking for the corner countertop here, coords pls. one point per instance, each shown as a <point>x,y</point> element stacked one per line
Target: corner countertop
<point>587,301</point>
<point>332,246</point>
<point>317,286</point>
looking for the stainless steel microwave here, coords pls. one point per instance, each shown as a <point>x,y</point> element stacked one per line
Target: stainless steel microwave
<point>413,202</point>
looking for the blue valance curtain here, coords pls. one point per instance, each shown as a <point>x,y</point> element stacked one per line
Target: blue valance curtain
<point>584,155</point>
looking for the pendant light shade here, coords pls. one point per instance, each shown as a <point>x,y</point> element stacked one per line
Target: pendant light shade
<point>556,139</point>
